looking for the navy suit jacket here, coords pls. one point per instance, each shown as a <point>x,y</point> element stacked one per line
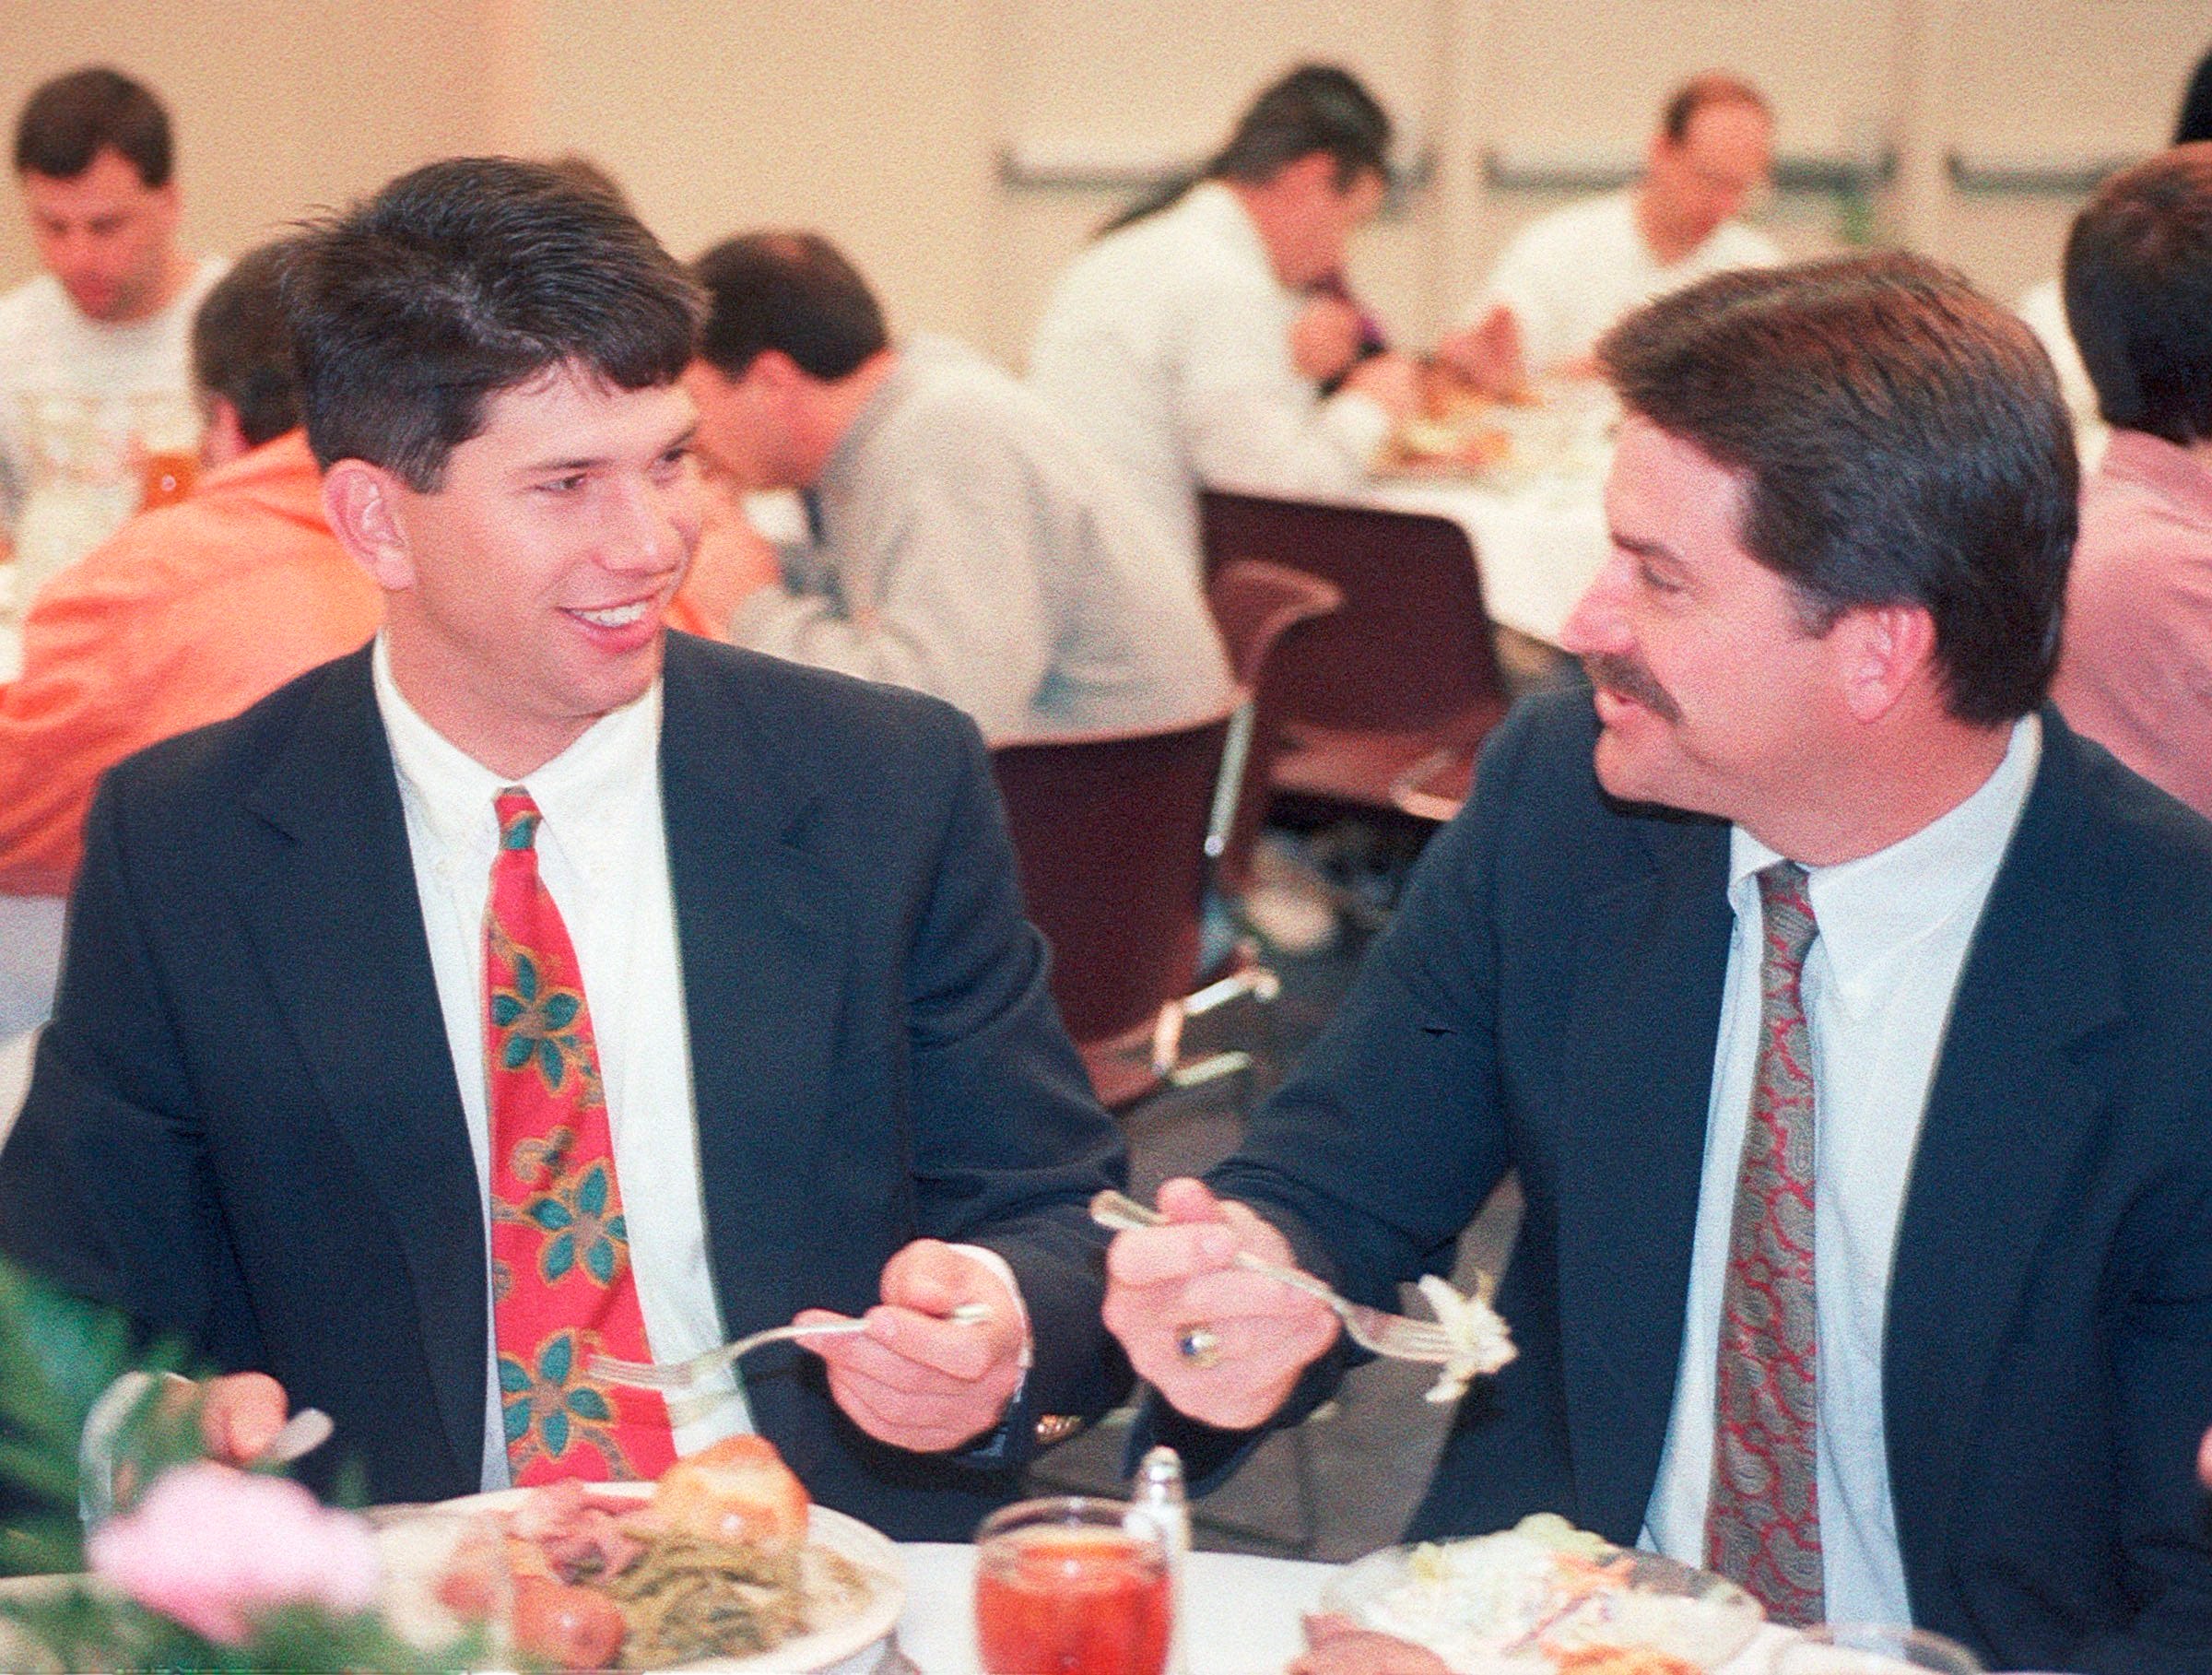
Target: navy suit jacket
<point>1547,1001</point>
<point>244,1124</point>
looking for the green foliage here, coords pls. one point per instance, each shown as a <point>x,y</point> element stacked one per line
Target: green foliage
<point>83,1626</point>
<point>57,1353</point>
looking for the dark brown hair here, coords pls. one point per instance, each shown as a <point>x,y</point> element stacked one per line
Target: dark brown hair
<point>67,122</point>
<point>2138,280</point>
<point>1315,107</point>
<point>464,278</point>
<point>1899,439</point>
<point>792,292</point>
<point>242,349</point>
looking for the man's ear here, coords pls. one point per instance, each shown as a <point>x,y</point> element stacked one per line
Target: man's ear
<point>361,502</point>
<point>1883,652</point>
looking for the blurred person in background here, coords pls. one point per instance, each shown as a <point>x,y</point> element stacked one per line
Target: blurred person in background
<point>190,612</point>
<point>1567,276</point>
<point>1188,343</point>
<point>966,542</point>
<point>2136,672</point>
<point>2043,304</point>
<point>110,316</point>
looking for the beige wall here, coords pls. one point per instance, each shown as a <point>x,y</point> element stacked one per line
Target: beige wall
<point>867,120</point>
<point>279,108</point>
<point>883,122</point>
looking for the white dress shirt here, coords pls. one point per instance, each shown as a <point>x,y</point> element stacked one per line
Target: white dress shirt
<point>603,854</point>
<point>1167,345</point>
<point>1569,274</point>
<point>1894,930</point>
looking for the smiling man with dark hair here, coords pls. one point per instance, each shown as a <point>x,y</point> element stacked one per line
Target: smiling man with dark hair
<point>536,982</point>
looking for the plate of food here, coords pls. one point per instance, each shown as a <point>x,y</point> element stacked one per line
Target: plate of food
<point>722,1566</point>
<point>1545,1598</point>
<point>1457,445</point>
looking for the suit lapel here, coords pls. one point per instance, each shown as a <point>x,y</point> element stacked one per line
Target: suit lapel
<point>2016,1097</point>
<point>764,949</point>
<point>338,926</point>
<point>1645,1016</point>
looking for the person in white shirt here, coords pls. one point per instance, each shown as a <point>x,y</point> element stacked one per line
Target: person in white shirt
<point>966,542</point>
<point>1188,343</point>
<point>110,319</point>
<point>1839,1009</point>
<point>1568,276</point>
<point>799,988</point>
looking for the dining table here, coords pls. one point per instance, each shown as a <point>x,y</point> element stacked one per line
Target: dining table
<point>1241,1615</point>
<point>1534,516</point>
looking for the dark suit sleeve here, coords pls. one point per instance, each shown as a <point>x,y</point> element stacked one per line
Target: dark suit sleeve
<point>104,1186</point>
<point>2162,1368</point>
<point>1379,1150</point>
<point>1010,1143</point>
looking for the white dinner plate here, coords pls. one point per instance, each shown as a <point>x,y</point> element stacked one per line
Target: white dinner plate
<point>1706,1621</point>
<point>862,1625</point>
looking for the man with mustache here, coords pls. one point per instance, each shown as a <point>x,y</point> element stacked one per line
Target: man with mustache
<point>1840,1010</point>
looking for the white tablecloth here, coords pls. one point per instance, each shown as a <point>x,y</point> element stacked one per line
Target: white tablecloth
<point>1536,545</point>
<point>1242,1613</point>
<point>1241,1616</point>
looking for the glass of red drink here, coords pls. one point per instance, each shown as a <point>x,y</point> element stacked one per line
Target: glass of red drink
<point>1071,1586</point>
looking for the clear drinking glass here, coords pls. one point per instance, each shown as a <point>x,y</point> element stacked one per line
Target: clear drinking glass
<point>1071,1586</point>
<point>1871,1648</point>
<point>167,426</point>
<point>83,483</point>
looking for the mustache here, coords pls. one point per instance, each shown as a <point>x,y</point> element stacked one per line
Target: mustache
<point>1629,678</point>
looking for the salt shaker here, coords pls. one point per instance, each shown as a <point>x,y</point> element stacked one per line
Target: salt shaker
<point>1159,1494</point>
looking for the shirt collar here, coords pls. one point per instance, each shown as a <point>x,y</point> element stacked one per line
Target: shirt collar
<point>590,794</point>
<point>1881,904</point>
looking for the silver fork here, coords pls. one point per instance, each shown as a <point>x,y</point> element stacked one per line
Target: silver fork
<point>1399,1337</point>
<point>680,1375</point>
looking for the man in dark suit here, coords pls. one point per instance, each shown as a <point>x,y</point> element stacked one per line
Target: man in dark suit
<point>744,935</point>
<point>1841,1013</point>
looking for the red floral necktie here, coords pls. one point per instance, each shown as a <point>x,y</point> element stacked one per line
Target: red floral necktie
<point>1762,1525</point>
<point>562,1289</point>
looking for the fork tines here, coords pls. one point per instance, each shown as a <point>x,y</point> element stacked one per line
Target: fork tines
<point>639,1375</point>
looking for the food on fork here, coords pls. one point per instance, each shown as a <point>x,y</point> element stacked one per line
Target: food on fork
<point>1480,1341</point>
<point>716,1564</point>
